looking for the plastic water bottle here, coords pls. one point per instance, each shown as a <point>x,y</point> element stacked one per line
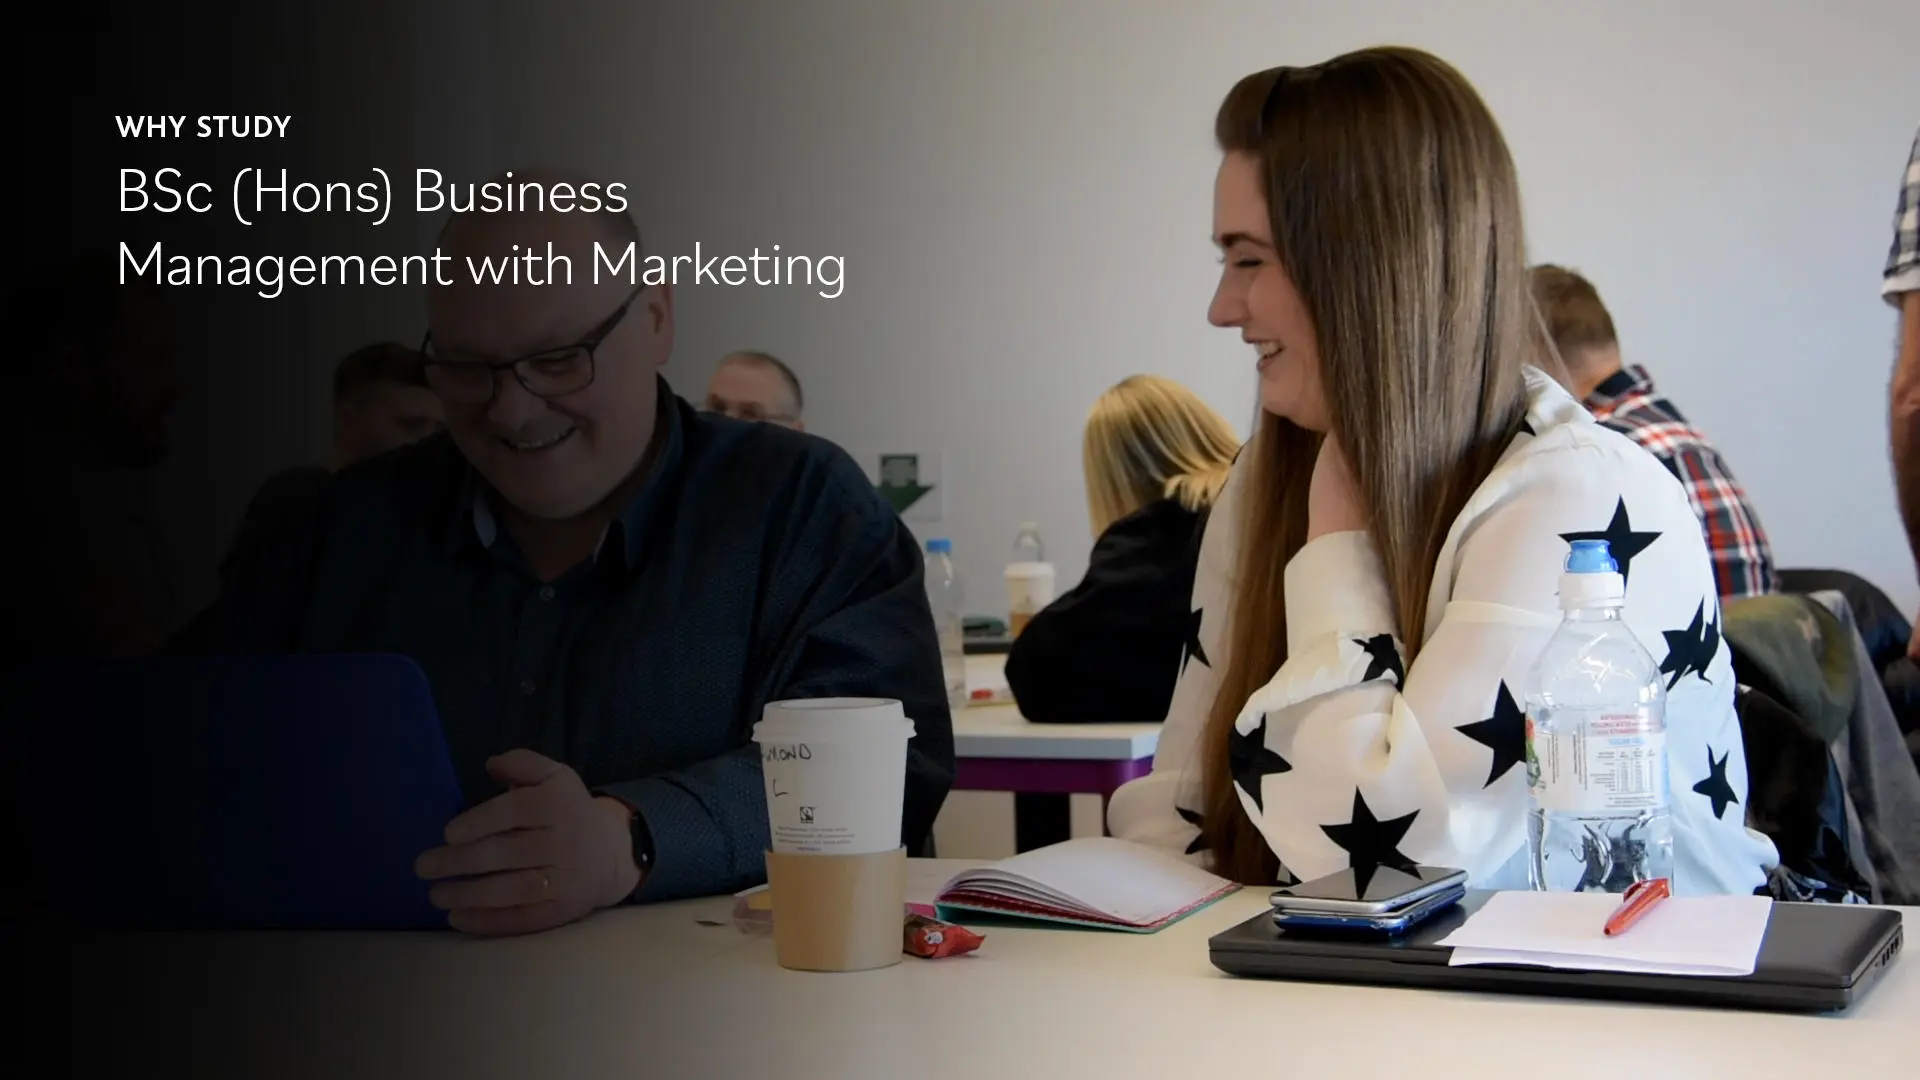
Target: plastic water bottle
<point>948,600</point>
<point>1596,742</point>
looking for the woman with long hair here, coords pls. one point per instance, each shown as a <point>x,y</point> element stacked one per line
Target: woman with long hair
<point>1382,568</point>
<point>1108,651</point>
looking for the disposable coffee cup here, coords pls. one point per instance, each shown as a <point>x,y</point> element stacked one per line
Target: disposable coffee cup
<point>835,771</point>
<point>1029,589</point>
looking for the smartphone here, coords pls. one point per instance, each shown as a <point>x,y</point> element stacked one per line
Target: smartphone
<point>1388,890</point>
<point>1391,924</point>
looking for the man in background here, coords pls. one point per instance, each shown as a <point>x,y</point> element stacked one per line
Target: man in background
<point>1622,397</point>
<point>757,386</point>
<point>380,402</point>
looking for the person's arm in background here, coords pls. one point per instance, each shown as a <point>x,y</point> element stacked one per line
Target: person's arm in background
<point>1902,290</point>
<point>1742,556</point>
<point>1906,432</point>
<point>1906,418</point>
<point>1111,649</point>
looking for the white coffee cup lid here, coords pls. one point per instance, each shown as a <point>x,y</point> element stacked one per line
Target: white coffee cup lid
<point>832,719</point>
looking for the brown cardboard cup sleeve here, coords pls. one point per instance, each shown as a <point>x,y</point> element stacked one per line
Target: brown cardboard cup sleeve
<point>837,912</point>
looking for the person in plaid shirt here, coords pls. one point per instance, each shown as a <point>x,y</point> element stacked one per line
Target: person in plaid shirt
<point>1901,287</point>
<point>1622,397</point>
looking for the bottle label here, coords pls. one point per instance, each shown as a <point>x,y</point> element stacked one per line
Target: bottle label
<point>1616,762</point>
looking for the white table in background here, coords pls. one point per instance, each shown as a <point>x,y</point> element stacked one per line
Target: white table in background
<point>1042,765</point>
<point>660,992</point>
<point>997,749</point>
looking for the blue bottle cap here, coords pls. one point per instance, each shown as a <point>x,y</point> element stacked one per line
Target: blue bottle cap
<point>1591,557</point>
<point>940,546</point>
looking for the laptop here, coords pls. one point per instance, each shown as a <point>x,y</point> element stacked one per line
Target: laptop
<point>286,792</point>
<point>1815,958</point>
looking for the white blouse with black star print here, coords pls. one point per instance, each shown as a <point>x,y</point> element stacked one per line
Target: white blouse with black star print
<point>1344,758</point>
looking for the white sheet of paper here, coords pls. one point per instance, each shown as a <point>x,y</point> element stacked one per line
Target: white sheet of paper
<point>1682,935</point>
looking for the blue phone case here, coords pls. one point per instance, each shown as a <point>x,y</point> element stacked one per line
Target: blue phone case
<point>1398,922</point>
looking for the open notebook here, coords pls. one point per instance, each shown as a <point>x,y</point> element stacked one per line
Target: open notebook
<point>1099,882</point>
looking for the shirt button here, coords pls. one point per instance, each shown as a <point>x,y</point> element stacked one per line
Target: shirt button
<point>528,686</point>
<point>546,592</point>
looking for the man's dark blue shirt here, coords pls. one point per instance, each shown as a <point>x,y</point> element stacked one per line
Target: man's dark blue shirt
<point>755,564</point>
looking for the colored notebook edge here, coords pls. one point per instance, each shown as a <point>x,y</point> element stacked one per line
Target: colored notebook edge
<point>956,912</point>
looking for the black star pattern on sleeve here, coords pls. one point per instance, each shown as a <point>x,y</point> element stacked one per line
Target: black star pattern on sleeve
<point>1194,650</point>
<point>1622,542</point>
<point>1385,659</point>
<point>1526,427</point>
<point>1689,651</point>
<point>1504,733</point>
<point>1371,843</point>
<point>1198,821</point>
<point>1715,786</point>
<point>1252,762</point>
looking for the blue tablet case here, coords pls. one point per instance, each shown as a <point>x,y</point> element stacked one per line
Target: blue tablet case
<point>250,792</point>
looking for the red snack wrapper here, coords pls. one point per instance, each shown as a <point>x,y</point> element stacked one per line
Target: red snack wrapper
<point>933,939</point>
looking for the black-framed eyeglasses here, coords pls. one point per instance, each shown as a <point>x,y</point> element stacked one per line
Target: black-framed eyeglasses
<point>550,373</point>
<point>746,412</point>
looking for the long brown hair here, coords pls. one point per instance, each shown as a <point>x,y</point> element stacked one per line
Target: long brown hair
<point>1395,210</point>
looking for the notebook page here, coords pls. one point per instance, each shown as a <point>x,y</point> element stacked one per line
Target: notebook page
<point>926,878</point>
<point>1014,889</point>
<point>1682,935</point>
<point>1103,874</point>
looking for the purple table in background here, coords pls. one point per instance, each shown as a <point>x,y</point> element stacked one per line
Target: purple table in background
<point>999,750</point>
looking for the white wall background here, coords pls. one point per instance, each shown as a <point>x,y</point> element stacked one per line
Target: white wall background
<point>1022,191</point>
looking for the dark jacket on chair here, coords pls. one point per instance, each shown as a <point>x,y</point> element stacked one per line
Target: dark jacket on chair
<point>1882,625</point>
<point>1885,630</point>
<point>1109,650</point>
<point>1793,650</point>
<point>1795,795</point>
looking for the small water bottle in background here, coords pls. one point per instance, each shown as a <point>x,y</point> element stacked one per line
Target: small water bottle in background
<point>1596,742</point>
<point>1029,578</point>
<point>948,600</point>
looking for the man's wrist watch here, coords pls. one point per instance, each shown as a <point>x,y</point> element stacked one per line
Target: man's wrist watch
<point>642,847</point>
<point>642,844</point>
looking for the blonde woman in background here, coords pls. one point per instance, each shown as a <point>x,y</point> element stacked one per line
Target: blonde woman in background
<point>1110,650</point>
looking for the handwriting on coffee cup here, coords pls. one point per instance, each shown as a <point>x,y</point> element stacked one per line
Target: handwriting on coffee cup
<point>796,752</point>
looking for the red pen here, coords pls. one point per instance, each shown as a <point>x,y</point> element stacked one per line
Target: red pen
<point>1639,899</point>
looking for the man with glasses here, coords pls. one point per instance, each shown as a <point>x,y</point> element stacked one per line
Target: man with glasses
<point>605,587</point>
<point>757,386</point>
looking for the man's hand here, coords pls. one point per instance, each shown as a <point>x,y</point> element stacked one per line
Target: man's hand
<point>542,855</point>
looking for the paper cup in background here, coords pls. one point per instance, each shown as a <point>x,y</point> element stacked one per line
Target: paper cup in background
<point>1029,589</point>
<point>836,774</point>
